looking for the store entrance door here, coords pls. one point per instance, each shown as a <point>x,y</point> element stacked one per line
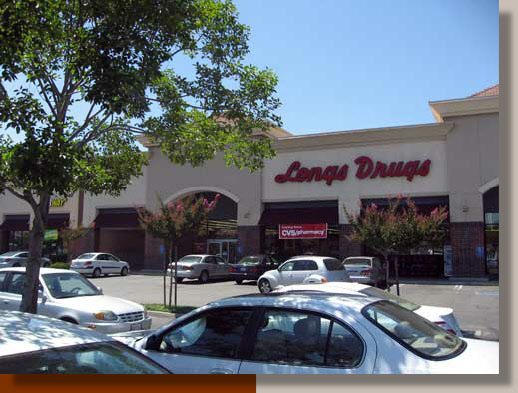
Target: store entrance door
<point>226,248</point>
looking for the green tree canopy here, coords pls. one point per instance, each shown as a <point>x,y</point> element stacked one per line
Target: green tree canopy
<point>81,79</point>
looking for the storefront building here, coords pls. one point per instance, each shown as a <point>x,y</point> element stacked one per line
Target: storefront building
<point>295,204</point>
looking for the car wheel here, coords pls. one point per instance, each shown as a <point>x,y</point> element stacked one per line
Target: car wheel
<point>239,282</point>
<point>264,286</point>
<point>204,277</point>
<point>179,280</point>
<point>97,273</point>
<point>124,271</point>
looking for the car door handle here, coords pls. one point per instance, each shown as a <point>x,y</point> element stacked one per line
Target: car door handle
<point>221,371</point>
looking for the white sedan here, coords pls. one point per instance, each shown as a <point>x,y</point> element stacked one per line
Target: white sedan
<point>33,344</point>
<point>442,316</point>
<point>303,269</point>
<point>98,263</point>
<point>311,333</point>
<point>72,298</point>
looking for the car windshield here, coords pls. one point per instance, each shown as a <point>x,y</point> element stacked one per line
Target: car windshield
<point>64,285</point>
<point>384,295</point>
<point>9,254</point>
<point>333,264</point>
<point>251,260</point>
<point>94,358</point>
<point>86,256</point>
<point>358,261</point>
<point>419,335</point>
<point>190,259</point>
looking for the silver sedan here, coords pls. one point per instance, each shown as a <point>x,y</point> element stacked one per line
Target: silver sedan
<point>19,258</point>
<point>68,296</point>
<point>201,267</point>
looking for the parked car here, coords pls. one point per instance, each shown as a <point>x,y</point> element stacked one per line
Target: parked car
<point>19,258</point>
<point>252,267</point>
<point>68,296</point>
<point>98,263</point>
<point>366,270</point>
<point>311,333</point>
<point>303,269</point>
<point>442,316</point>
<point>34,344</point>
<point>201,267</point>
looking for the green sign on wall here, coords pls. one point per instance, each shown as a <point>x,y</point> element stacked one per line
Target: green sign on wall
<point>51,234</point>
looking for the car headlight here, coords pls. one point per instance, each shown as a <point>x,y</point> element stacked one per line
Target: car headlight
<point>106,315</point>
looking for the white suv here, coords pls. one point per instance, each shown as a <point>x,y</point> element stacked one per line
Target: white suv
<point>303,270</point>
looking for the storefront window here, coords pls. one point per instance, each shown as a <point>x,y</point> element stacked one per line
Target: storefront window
<point>286,248</point>
<point>491,229</point>
<point>18,240</point>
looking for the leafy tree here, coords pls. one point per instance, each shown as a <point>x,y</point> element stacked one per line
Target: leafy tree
<point>174,221</point>
<point>396,229</point>
<point>70,235</point>
<point>81,79</point>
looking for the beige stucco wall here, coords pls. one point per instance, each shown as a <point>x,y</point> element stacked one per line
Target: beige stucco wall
<point>9,204</point>
<point>134,195</point>
<point>472,153</point>
<point>351,190</point>
<point>171,181</point>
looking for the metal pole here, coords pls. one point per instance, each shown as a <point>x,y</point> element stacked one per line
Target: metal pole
<point>397,274</point>
<point>175,277</point>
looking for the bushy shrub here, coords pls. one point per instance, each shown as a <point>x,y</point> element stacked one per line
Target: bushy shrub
<point>60,265</point>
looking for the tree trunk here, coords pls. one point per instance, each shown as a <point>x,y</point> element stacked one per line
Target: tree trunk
<point>32,271</point>
<point>175,278</point>
<point>397,273</point>
<point>166,263</point>
<point>387,272</point>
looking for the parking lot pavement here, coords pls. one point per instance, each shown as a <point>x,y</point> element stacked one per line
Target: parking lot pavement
<point>476,307</point>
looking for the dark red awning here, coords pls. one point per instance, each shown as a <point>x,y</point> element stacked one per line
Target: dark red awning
<point>117,218</point>
<point>313,215</point>
<point>16,222</point>
<point>57,221</point>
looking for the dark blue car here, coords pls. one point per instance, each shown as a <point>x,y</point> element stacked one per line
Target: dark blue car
<point>252,267</point>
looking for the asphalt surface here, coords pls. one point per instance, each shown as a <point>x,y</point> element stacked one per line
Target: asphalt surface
<point>476,306</point>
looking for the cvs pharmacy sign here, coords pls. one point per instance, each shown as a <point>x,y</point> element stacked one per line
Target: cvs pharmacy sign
<point>302,231</point>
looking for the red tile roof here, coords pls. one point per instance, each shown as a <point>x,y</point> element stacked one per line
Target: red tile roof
<point>490,91</point>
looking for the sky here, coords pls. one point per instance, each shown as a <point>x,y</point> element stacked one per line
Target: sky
<point>356,64</point>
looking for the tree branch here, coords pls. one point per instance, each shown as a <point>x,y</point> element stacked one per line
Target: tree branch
<point>15,193</point>
<point>46,97</point>
<point>86,123</point>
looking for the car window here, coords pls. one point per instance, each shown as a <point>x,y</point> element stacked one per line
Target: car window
<point>3,275</point>
<point>305,264</point>
<point>220,261</point>
<point>250,260</point>
<point>9,254</point>
<point>358,261</point>
<point>110,257</point>
<point>190,259</point>
<point>23,255</point>
<point>298,338</point>
<point>65,285</point>
<point>95,358</point>
<point>287,267</point>
<point>86,256</point>
<point>209,260</point>
<point>16,283</point>
<point>333,264</point>
<point>419,335</point>
<point>216,333</point>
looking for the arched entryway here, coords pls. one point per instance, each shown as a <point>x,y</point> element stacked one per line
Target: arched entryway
<point>218,235</point>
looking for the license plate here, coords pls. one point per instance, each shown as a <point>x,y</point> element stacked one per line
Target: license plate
<point>136,326</point>
<point>243,269</point>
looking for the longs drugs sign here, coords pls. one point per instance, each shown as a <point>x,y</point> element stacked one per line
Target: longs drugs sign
<point>302,231</point>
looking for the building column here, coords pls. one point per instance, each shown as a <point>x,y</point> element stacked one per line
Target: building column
<point>248,240</point>
<point>348,248</point>
<point>467,243</point>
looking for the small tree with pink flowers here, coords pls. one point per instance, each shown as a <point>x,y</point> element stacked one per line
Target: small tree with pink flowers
<point>173,221</point>
<point>396,228</point>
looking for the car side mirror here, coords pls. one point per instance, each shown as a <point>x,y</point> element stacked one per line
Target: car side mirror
<point>100,290</point>
<point>42,296</point>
